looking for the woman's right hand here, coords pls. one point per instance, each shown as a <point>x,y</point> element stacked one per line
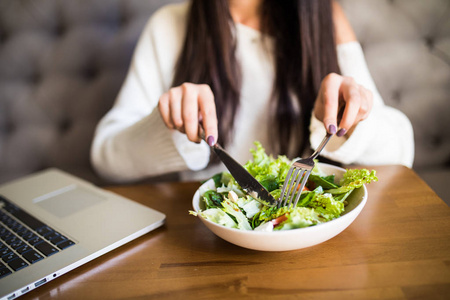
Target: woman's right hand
<point>184,106</point>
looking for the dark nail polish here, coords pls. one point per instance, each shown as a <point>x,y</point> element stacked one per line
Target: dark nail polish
<point>332,129</point>
<point>341,132</point>
<point>210,140</point>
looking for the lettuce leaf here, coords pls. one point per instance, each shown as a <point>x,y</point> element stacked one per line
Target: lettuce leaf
<point>353,179</point>
<point>326,206</point>
<point>299,217</point>
<point>212,199</point>
<point>270,172</point>
<point>218,216</point>
<point>326,182</point>
<point>232,209</point>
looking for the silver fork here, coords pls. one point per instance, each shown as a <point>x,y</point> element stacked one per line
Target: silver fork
<point>298,175</point>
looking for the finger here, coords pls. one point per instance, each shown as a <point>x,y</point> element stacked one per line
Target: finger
<point>208,114</point>
<point>164,110</point>
<point>175,98</point>
<point>190,111</point>
<point>352,98</point>
<point>330,98</point>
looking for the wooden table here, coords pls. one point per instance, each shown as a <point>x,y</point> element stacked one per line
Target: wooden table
<point>398,248</point>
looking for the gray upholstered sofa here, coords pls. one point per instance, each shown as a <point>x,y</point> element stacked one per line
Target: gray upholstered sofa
<point>62,63</point>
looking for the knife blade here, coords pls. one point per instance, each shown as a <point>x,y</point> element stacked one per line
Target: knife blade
<point>247,182</point>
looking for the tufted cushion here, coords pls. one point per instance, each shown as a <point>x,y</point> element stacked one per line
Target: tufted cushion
<point>62,63</point>
<point>407,47</point>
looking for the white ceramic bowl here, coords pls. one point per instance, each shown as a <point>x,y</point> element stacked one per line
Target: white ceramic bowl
<point>285,240</point>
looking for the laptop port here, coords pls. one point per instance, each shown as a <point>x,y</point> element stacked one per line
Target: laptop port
<point>40,282</point>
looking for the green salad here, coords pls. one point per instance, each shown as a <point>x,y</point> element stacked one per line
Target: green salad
<point>321,200</point>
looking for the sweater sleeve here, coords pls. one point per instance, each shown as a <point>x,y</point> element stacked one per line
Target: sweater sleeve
<point>385,137</point>
<point>131,141</point>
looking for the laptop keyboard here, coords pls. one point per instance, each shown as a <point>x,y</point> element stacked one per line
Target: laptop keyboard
<point>24,240</point>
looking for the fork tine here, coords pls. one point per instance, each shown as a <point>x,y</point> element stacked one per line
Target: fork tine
<point>291,185</point>
<point>304,180</point>
<point>283,189</point>
<point>294,190</point>
<point>286,185</point>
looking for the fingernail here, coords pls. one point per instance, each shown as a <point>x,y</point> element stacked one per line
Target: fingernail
<point>341,132</point>
<point>210,140</point>
<point>332,129</point>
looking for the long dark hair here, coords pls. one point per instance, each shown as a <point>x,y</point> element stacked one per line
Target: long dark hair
<point>305,52</point>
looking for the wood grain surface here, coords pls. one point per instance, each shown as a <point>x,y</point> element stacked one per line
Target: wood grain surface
<point>397,248</point>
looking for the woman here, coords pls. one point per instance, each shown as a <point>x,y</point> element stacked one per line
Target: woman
<point>248,70</point>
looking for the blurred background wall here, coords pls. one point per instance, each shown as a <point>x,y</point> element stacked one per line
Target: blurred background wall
<point>62,63</point>
<point>407,48</point>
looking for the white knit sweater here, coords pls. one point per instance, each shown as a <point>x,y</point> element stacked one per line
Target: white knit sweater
<point>132,142</point>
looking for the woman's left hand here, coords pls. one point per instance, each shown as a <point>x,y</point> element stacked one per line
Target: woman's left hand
<point>335,92</point>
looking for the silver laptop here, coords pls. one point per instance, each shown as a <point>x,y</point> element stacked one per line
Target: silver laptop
<point>52,222</point>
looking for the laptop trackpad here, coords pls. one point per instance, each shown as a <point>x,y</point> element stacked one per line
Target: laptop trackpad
<point>68,200</point>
